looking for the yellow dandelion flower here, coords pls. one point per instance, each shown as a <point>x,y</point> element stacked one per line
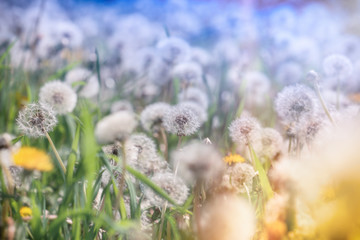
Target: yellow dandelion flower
<point>25,212</point>
<point>32,159</point>
<point>233,158</point>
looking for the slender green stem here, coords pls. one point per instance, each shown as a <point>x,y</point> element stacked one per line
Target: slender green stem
<point>56,152</point>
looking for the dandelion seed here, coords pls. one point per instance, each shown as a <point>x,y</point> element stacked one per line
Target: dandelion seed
<point>196,95</point>
<point>173,50</point>
<point>172,185</point>
<point>238,177</point>
<point>233,158</point>
<point>198,161</point>
<point>227,218</point>
<point>189,73</point>
<point>59,96</point>
<point>181,121</point>
<point>245,130</point>
<point>296,103</point>
<point>152,117</point>
<point>33,159</point>
<point>337,65</point>
<point>36,119</point>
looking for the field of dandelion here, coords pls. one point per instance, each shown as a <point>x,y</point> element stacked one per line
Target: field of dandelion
<point>178,119</point>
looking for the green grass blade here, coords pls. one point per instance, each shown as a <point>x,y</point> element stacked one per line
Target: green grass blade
<point>141,177</point>
<point>264,180</point>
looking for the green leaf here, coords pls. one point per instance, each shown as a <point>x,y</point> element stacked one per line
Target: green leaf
<point>73,156</point>
<point>132,193</point>
<point>15,140</point>
<point>264,181</point>
<point>7,51</point>
<point>150,184</point>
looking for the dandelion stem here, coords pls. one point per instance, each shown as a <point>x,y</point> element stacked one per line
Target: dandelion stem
<point>56,152</point>
<point>337,93</point>
<point>164,138</point>
<point>163,211</point>
<point>120,195</point>
<point>323,103</point>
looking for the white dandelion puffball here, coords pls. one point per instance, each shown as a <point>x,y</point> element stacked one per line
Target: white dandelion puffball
<point>141,153</point>
<point>60,96</point>
<point>245,130</point>
<point>91,83</point>
<point>171,184</point>
<point>173,50</point>
<point>181,121</point>
<point>7,149</point>
<point>197,109</point>
<point>238,178</point>
<point>152,117</point>
<point>296,102</point>
<point>194,95</point>
<point>198,161</point>
<point>36,119</point>
<point>337,65</point>
<point>115,127</point>
<point>188,73</point>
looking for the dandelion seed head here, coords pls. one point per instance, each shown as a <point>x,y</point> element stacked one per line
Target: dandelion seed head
<point>115,127</point>
<point>36,119</point>
<point>312,77</point>
<point>152,117</point>
<point>257,85</point>
<point>7,149</point>
<point>172,185</point>
<point>271,144</point>
<point>244,130</point>
<point>173,50</point>
<point>141,153</point>
<point>181,121</point>
<point>196,95</point>
<point>60,96</point>
<point>337,65</point>
<point>198,161</point>
<point>238,177</point>
<point>201,57</point>
<point>228,217</point>
<point>91,87</point>
<point>197,109</point>
<point>122,105</point>
<point>295,103</point>
<point>189,73</point>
